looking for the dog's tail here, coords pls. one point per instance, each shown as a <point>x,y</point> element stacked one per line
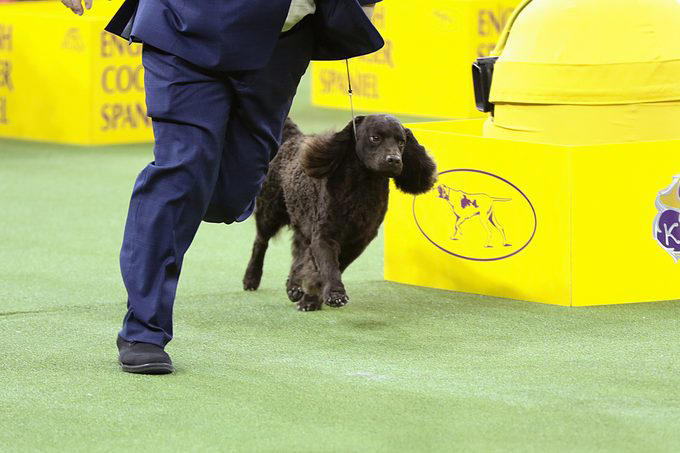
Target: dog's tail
<point>290,130</point>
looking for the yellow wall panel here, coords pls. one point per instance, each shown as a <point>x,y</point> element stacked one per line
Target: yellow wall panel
<point>67,80</point>
<point>425,67</point>
<point>616,256</point>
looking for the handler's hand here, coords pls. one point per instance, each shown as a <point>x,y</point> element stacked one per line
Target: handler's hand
<point>77,5</point>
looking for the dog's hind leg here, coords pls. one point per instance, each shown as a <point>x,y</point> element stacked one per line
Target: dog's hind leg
<point>294,282</point>
<point>270,217</point>
<point>253,276</point>
<point>310,280</point>
<point>309,303</point>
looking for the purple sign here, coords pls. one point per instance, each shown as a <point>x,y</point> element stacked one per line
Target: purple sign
<point>667,221</point>
<point>668,230</point>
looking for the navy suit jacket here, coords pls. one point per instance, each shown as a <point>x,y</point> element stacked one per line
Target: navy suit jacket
<point>228,35</point>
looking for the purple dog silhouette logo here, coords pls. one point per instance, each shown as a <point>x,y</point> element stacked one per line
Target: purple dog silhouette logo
<point>468,205</point>
<point>667,221</point>
<point>476,215</point>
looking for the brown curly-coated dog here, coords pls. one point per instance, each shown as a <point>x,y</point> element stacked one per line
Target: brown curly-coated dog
<point>332,190</point>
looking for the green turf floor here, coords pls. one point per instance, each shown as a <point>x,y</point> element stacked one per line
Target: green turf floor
<point>399,369</point>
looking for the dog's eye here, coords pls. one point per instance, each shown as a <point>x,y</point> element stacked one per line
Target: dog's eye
<point>402,144</point>
<point>375,138</point>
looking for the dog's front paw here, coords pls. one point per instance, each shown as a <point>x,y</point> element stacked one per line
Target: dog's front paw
<point>309,303</point>
<point>336,299</point>
<point>295,293</point>
<point>251,283</point>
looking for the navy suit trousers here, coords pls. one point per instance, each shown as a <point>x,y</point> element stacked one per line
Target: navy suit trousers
<point>215,134</point>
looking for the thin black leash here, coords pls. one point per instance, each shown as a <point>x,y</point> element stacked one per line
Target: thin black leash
<point>351,102</point>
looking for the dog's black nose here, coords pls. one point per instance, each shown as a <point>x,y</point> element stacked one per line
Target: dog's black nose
<point>393,159</point>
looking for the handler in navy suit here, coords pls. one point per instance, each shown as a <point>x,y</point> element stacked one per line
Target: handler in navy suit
<point>220,77</point>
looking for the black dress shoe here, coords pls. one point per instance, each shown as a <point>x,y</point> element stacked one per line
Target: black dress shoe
<point>143,358</point>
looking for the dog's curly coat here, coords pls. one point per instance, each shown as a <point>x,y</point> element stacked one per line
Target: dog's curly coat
<point>333,191</point>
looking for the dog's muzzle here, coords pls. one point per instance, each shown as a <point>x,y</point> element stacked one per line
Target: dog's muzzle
<point>393,165</point>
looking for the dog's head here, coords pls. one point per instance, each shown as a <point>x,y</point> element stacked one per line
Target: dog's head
<point>383,146</point>
<point>381,143</point>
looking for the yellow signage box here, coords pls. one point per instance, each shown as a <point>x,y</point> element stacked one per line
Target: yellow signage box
<point>565,225</point>
<point>425,67</point>
<point>64,79</point>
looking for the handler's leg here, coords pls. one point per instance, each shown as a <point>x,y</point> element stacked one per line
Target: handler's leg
<point>262,100</point>
<point>189,108</point>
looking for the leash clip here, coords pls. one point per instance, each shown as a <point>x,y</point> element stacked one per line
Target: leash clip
<point>351,101</point>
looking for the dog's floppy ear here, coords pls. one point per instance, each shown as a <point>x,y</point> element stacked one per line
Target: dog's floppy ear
<point>323,154</point>
<point>419,172</point>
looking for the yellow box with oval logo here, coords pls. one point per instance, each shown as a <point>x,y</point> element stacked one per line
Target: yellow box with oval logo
<point>566,225</point>
<point>64,79</point>
<point>425,67</point>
